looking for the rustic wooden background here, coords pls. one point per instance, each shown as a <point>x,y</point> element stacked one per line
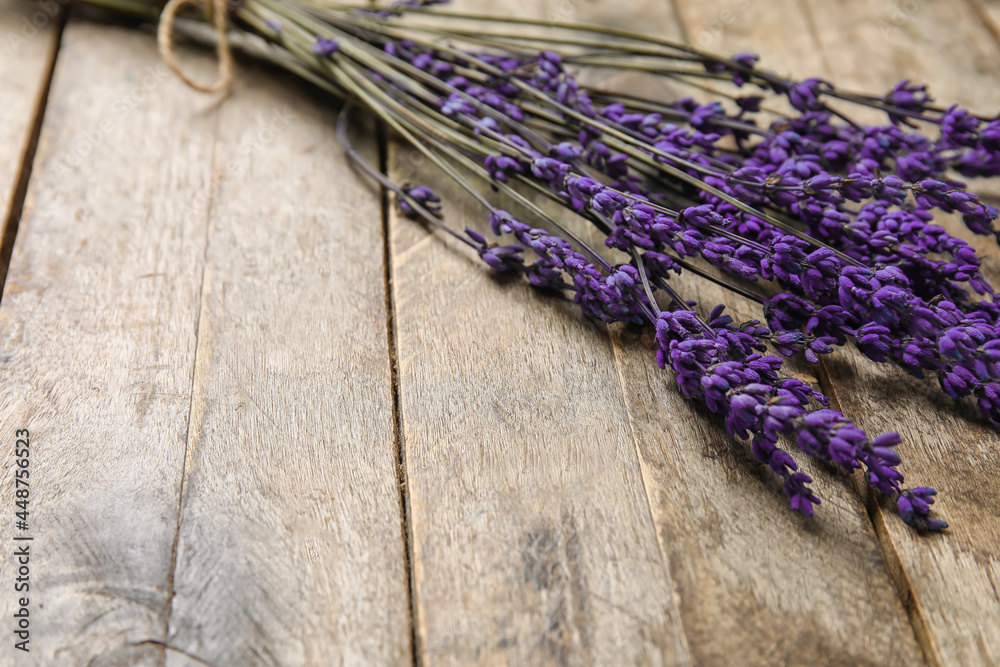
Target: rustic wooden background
<point>274,423</point>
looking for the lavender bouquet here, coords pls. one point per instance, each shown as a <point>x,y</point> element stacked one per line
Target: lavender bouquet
<point>825,222</point>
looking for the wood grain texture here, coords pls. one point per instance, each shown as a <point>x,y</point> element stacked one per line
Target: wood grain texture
<point>98,337</point>
<point>755,579</point>
<point>29,39</point>
<point>291,541</point>
<point>188,280</point>
<point>773,29</point>
<point>200,288</point>
<point>751,578</point>
<point>954,578</point>
<point>948,582</point>
<point>532,541</point>
<point>988,11</point>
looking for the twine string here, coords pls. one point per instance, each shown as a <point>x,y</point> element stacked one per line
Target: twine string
<point>216,11</point>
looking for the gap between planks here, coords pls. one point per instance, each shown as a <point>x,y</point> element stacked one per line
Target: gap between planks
<point>949,627</point>
<point>441,640</point>
<point>406,529</point>
<point>894,565</point>
<point>20,190</point>
<point>397,416</point>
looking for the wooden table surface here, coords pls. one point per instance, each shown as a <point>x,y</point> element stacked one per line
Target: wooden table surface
<point>275,423</point>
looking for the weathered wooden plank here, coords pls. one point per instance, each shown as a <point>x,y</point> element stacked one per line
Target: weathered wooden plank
<point>739,593</point>
<point>772,29</point>
<point>98,336</point>
<point>291,542</point>
<point>954,578</point>
<point>532,542</point>
<point>160,230</point>
<point>887,42</point>
<point>756,580</point>
<point>29,44</point>
<point>988,11</point>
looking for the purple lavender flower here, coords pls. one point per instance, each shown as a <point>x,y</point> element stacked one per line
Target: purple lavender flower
<point>959,128</point>
<point>915,507</point>
<point>806,96</point>
<point>422,195</point>
<point>324,46</point>
<point>758,403</point>
<point>501,258</point>
<point>836,216</point>
<point>908,97</point>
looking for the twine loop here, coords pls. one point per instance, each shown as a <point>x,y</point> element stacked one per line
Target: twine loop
<point>217,13</point>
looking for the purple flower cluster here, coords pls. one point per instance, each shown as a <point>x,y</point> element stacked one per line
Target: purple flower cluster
<point>915,508</point>
<point>901,311</point>
<point>722,365</point>
<point>609,296</point>
<point>717,363</point>
<point>838,216</point>
<point>423,196</point>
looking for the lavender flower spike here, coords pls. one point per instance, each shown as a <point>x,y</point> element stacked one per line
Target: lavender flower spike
<point>915,508</point>
<point>325,47</point>
<point>834,219</point>
<point>424,196</point>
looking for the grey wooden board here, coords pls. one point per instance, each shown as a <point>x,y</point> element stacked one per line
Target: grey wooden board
<point>954,579</point>
<point>29,37</point>
<point>467,371</point>
<point>532,542</point>
<point>130,248</point>
<point>947,582</point>
<point>98,333</point>
<point>180,300</point>
<point>290,550</point>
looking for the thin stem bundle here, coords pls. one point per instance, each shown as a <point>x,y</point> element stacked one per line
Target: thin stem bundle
<point>835,217</point>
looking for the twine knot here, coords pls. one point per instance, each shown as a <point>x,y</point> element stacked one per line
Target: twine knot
<point>217,13</point>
